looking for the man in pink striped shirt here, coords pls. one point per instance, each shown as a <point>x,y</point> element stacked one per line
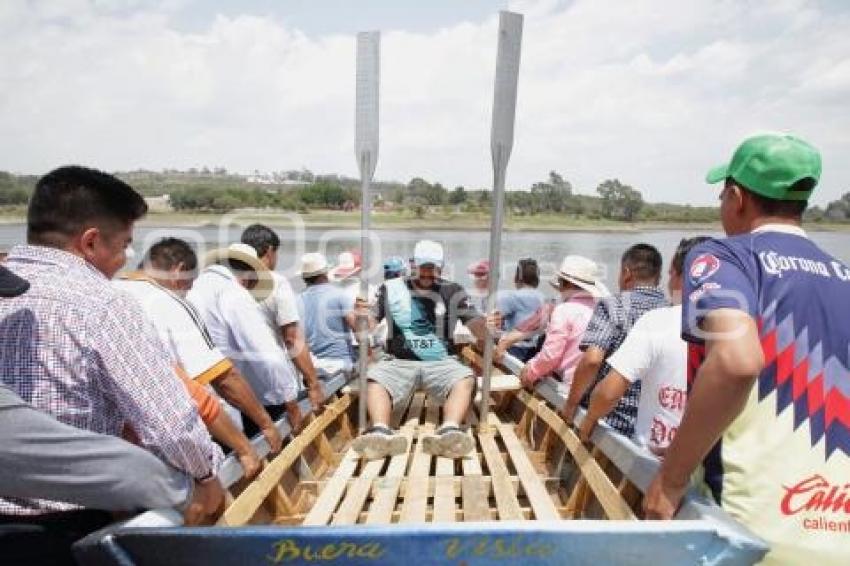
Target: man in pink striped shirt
<point>578,285</point>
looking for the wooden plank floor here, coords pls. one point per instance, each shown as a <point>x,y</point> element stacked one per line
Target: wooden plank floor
<point>498,481</point>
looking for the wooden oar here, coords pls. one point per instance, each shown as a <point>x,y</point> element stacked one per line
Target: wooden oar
<point>501,143</point>
<point>366,148</point>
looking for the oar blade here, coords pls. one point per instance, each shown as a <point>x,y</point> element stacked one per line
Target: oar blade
<point>507,75</point>
<point>366,118</point>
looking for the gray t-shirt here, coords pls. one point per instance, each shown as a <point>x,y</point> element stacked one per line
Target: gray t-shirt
<point>322,309</point>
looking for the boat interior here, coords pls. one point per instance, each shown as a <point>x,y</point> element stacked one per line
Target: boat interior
<point>527,465</point>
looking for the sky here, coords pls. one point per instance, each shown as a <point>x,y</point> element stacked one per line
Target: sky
<point>652,93</point>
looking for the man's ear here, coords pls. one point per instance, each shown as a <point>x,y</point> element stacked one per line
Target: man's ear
<point>739,199</point>
<point>87,241</point>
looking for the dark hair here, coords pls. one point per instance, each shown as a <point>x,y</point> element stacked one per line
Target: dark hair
<point>685,246</point>
<point>261,238</point>
<point>71,198</point>
<point>237,265</point>
<point>644,261</point>
<point>168,253</point>
<point>783,208</point>
<point>315,279</point>
<point>527,272</point>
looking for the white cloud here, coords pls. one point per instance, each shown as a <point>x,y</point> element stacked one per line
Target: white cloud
<point>650,92</point>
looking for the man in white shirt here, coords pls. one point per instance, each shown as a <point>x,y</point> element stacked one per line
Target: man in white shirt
<point>164,277</point>
<point>654,354</point>
<point>281,311</point>
<point>226,294</point>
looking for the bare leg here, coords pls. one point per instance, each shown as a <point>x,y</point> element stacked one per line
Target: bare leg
<point>379,442</point>
<point>379,404</point>
<point>458,402</point>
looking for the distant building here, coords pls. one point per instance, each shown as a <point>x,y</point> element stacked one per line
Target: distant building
<point>162,203</point>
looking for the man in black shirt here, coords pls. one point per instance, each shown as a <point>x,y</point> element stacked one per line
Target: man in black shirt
<point>421,313</point>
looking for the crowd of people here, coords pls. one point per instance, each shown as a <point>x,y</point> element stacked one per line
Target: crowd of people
<point>122,388</point>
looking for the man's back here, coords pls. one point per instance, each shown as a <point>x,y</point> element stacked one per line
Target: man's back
<point>781,465</point>
<point>612,320</point>
<point>84,352</point>
<point>654,355</point>
<point>323,308</point>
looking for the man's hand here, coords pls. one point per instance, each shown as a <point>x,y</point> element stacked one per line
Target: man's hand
<point>316,395</point>
<point>272,436</point>
<point>494,321</point>
<point>296,419</point>
<point>207,502</point>
<point>250,462</point>
<point>662,499</point>
<point>361,307</point>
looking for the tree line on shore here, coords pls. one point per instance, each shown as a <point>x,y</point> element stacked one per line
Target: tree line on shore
<point>217,190</point>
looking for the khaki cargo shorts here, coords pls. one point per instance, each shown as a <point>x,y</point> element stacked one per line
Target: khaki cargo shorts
<point>402,377</point>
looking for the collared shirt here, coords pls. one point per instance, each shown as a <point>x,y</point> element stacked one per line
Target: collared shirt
<point>560,352</point>
<point>612,320</point>
<point>239,329</point>
<point>79,349</point>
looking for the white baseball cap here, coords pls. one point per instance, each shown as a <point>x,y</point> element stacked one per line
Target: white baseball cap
<point>428,252</point>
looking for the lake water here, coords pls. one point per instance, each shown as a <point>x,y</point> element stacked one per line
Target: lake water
<point>461,247</point>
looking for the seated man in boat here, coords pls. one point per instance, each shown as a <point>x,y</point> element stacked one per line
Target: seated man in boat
<point>78,349</point>
<point>764,313</point>
<point>613,318</point>
<point>165,275</point>
<point>281,310</point>
<point>518,305</point>
<point>579,288</point>
<point>655,355</point>
<point>227,293</point>
<point>422,311</point>
<point>328,315</point>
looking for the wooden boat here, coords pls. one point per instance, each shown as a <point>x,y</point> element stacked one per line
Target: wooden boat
<point>530,492</point>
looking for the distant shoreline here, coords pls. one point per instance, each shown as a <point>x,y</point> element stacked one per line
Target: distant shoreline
<point>318,220</point>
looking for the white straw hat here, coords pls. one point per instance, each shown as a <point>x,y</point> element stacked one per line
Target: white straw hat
<point>581,272</point>
<point>247,255</point>
<point>313,264</point>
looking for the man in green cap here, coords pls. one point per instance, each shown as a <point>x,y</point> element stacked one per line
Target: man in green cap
<point>764,313</point>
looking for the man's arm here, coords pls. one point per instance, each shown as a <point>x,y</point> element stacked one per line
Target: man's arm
<point>236,391</point>
<point>605,397</point>
<point>299,352</point>
<point>586,371</point>
<point>733,361</point>
<point>41,457</point>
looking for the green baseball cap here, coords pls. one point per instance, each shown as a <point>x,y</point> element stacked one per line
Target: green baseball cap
<point>770,165</point>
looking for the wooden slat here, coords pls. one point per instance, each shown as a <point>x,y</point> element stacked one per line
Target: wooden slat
<point>329,499</point>
<point>611,501</point>
<point>474,497</point>
<point>314,487</point>
<point>384,496</point>
<point>503,489</point>
<point>470,463</point>
<point>357,494</point>
<point>544,507</point>
<point>385,490</point>
<point>415,504</point>
<point>244,507</point>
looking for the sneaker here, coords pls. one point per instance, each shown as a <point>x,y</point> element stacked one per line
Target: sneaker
<point>449,442</point>
<point>379,442</point>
